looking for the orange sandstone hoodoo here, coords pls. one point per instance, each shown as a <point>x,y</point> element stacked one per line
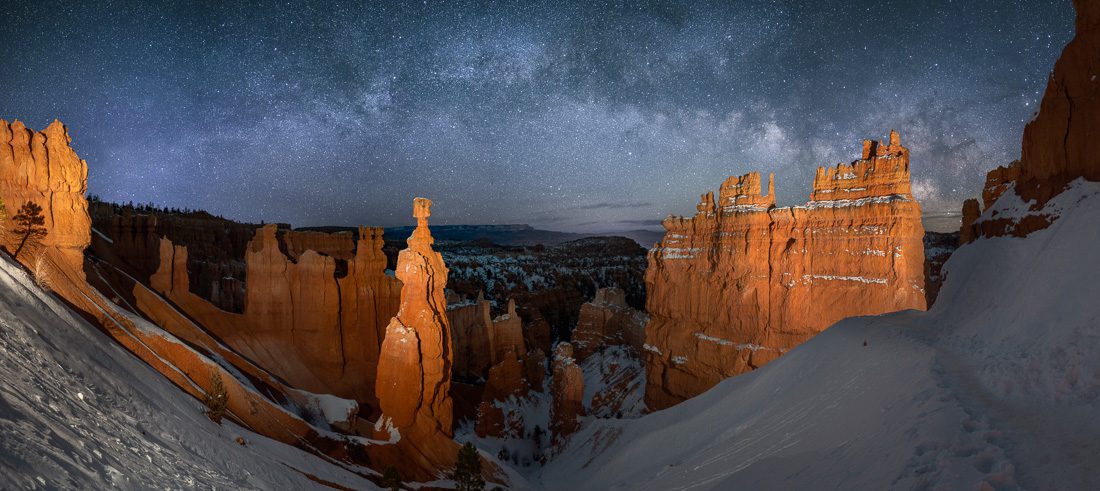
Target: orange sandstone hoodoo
<point>743,281</point>
<point>414,371</point>
<point>39,166</point>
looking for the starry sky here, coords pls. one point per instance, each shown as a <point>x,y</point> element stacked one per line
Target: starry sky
<point>567,115</point>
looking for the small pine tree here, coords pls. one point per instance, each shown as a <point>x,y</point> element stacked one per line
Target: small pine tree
<point>467,475</point>
<point>29,225</point>
<point>537,436</point>
<point>216,399</point>
<point>391,479</point>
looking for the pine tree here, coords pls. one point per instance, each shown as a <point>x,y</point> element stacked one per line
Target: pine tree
<point>391,479</point>
<point>29,225</point>
<point>467,474</point>
<point>216,399</point>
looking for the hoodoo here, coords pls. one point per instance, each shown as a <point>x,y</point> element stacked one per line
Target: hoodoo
<point>743,281</point>
<point>40,167</point>
<point>414,371</point>
<point>318,331</point>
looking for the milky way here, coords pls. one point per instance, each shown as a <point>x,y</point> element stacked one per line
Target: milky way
<point>580,116</point>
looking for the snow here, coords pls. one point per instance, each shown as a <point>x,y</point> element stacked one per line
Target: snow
<point>102,236</point>
<point>726,342</point>
<point>997,385</point>
<point>671,253</point>
<point>333,410</point>
<point>523,451</point>
<point>77,411</point>
<point>861,279</point>
<point>616,371</point>
<point>842,203</point>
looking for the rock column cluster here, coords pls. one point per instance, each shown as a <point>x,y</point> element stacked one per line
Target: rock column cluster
<point>743,281</point>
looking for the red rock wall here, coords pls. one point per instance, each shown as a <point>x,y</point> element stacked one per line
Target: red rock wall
<point>40,166</point>
<point>1060,145</point>
<point>472,329</point>
<point>1063,141</point>
<point>742,282</point>
<point>316,331</point>
<point>608,321</point>
<point>337,245</point>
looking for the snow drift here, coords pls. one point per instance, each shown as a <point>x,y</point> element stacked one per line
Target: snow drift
<point>78,411</point>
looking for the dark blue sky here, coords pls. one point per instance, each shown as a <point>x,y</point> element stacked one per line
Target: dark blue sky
<point>567,115</point>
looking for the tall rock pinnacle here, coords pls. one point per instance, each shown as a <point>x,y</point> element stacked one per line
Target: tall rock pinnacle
<point>414,369</point>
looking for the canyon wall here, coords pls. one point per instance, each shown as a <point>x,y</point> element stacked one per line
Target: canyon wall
<point>315,329</point>
<point>129,237</point>
<point>1059,145</point>
<point>41,167</point>
<point>743,281</point>
<point>608,321</point>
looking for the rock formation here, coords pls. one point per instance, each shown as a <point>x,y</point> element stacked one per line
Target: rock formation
<point>743,281</point>
<point>472,339</point>
<point>339,245</point>
<point>608,321</point>
<point>508,334</point>
<point>507,379</point>
<point>300,321</point>
<point>414,372</point>
<point>534,369</point>
<point>129,238</point>
<point>548,284</point>
<point>481,342</point>
<point>567,390</point>
<point>1059,145</point>
<point>41,167</point>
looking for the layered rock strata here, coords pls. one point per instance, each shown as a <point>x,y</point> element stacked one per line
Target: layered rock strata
<point>743,281</point>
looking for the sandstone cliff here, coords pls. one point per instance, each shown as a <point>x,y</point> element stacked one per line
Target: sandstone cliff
<point>317,331</point>
<point>41,167</point>
<point>743,281</point>
<point>1059,145</point>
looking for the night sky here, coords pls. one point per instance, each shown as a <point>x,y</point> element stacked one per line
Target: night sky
<point>578,116</point>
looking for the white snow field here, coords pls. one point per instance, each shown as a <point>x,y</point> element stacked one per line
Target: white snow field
<point>997,387</point>
<point>77,411</point>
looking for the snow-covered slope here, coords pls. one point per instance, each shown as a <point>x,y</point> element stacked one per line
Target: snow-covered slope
<point>997,384</point>
<point>79,412</point>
